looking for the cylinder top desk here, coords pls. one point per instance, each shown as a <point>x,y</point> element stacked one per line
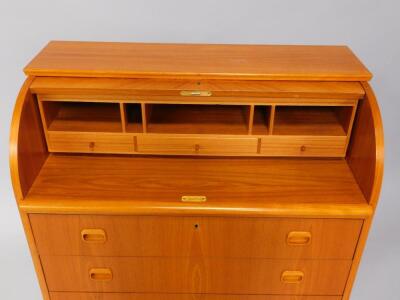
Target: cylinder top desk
<point>196,171</point>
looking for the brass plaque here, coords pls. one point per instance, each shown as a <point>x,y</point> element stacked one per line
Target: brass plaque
<point>196,93</point>
<point>194,198</point>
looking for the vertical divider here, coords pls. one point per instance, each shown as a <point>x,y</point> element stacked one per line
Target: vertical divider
<point>146,111</point>
<point>351,121</point>
<point>250,118</point>
<point>43,117</point>
<point>271,120</point>
<point>122,108</point>
<point>144,117</point>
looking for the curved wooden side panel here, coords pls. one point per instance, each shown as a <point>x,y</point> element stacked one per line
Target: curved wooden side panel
<point>28,149</point>
<point>28,152</point>
<point>365,158</point>
<point>365,154</point>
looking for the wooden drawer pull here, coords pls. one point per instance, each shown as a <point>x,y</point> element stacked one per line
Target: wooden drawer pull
<point>299,238</point>
<point>100,274</point>
<point>292,276</point>
<point>93,235</point>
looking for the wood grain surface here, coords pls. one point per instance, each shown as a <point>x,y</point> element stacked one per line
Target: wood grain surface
<point>123,87</point>
<point>196,236</point>
<point>195,275</point>
<point>139,60</point>
<point>244,181</point>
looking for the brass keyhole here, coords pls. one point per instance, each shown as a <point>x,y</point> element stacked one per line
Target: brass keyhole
<point>303,148</point>
<point>196,226</point>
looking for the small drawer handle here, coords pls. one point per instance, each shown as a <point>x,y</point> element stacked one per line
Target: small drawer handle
<point>292,276</point>
<point>299,238</point>
<point>93,235</point>
<point>100,274</point>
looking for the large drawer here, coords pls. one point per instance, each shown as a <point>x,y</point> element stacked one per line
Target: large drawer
<point>192,145</point>
<point>133,296</point>
<point>195,236</point>
<point>89,142</point>
<point>195,275</point>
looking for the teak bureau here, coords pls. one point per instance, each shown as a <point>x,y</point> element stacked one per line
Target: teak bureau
<point>207,172</point>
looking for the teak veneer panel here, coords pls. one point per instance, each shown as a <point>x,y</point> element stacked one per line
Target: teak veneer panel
<point>86,117</point>
<point>89,142</point>
<point>28,153</point>
<point>330,146</point>
<point>366,160</point>
<point>140,60</point>
<point>198,119</point>
<point>167,179</point>
<point>195,275</point>
<point>197,145</point>
<point>220,88</point>
<point>295,120</point>
<point>196,236</point>
<point>132,296</point>
<point>27,142</point>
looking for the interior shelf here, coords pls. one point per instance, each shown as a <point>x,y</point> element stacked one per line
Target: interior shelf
<point>82,116</point>
<point>197,129</point>
<point>197,119</point>
<point>311,120</point>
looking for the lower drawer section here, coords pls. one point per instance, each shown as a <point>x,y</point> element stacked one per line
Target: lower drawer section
<point>195,275</point>
<point>278,238</point>
<point>130,296</point>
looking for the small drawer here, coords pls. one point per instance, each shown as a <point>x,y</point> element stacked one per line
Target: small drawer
<point>189,145</point>
<point>195,236</point>
<point>195,275</point>
<point>89,142</point>
<point>333,146</point>
<point>135,296</point>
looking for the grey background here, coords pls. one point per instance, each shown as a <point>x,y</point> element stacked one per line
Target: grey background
<point>370,27</point>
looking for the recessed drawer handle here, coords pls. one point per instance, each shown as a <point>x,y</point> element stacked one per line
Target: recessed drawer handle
<point>100,274</point>
<point>93,235</point>
<point>292,276</point>
<point>299,238</point>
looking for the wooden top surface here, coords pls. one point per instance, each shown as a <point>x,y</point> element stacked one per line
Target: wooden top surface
<point>156,183</point>
<point>244,62</point>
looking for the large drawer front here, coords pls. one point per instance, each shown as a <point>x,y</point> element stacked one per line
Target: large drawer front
<point>132,296</point>
<point>195,275</point>
<point>89,142</point>
<point>197,145</point>
<point>195,236</point>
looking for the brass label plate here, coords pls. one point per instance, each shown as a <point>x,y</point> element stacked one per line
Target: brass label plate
<point>196,93</point>
<point>194,198</point>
